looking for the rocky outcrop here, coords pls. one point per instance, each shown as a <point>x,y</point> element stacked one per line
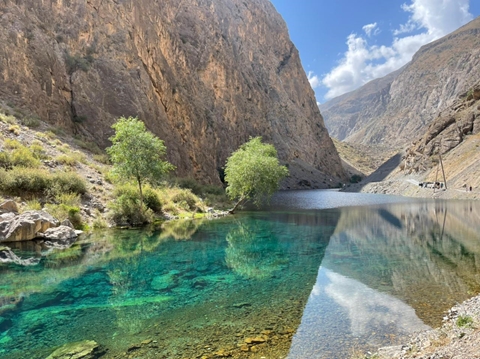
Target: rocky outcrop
<point>8,206</point>
<point>204,75</point>
<point>26,226</point>
<point>399,107</point>
<point>61,233</point>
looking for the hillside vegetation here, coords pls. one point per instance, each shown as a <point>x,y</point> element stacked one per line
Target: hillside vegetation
<point>41,167</point>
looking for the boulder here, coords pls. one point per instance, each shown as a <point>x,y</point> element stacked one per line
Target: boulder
<point>61,233</point>
<point>26,226</point>
<point>9,206</point>
<point>86,349</point>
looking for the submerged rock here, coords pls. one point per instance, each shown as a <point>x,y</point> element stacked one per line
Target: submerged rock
<point>86,349</point>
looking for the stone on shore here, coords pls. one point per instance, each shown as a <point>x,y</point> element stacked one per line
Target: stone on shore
<point>26,226</point>
<point>86,349</point>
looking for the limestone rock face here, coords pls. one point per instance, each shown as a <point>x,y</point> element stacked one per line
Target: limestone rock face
<point>204,75</point>
<point>25,226</point>
<point>398,108</point>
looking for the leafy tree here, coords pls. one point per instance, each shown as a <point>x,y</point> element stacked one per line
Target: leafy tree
<point>253,172</point>
<point>136,153</point>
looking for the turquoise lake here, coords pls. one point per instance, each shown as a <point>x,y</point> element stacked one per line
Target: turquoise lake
<point>317,274</point>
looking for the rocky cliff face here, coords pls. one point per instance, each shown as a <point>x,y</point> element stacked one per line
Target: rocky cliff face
<point>399,107</point>
<point>204,75</point>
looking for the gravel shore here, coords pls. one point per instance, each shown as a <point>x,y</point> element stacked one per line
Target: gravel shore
<point>457,338</point>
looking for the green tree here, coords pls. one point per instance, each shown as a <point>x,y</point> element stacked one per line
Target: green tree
<point>253,172</point>
<point>136,153</point>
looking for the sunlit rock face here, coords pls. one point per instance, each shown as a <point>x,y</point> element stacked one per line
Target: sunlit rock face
<point>204,75</point>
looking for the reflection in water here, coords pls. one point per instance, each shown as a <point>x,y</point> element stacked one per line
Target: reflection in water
<point>204,287</point>
<point>355,313</point>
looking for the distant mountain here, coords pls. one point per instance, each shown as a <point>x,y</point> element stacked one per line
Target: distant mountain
<point>397,108</point>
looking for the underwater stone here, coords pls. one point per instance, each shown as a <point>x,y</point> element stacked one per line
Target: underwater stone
<point>86,349</point>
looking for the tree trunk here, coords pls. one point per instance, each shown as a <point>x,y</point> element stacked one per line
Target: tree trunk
<point>241,201</point>
<point>141,194</point>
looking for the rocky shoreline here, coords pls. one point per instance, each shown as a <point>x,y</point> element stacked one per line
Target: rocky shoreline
<point>457,338</point>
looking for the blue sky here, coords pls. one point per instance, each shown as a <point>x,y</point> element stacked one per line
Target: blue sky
<point>344,44</point>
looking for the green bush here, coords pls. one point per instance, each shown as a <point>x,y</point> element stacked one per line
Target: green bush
<point>63,211</point>
<point>38,151</point>
<point>7,118</point>
<point>68,182</point>
<point>5,160</point>
<point>127,209</point>
<point>23,157</point>
<point>24,181</point>
<point>186,199</point>
<point>151,200</point>
<point>12,144</point>
<point>66,160</point>
<point>464,321</point>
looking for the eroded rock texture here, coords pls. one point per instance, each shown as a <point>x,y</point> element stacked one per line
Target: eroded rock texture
<point>204,75</point>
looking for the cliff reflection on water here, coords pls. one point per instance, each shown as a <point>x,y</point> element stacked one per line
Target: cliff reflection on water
<point>312,282</point>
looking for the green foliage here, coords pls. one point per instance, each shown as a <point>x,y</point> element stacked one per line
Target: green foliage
<point>253,172</point>
<point>7,119</point>
<point>23,157</point>
<point>102,158</point>
<point>464,321</point>
<point>185,199</point>
<point>28,181</point>
<point>66,160</point>
<point>151,200</point>
<point>68,182</point>
<point>38,150</point>
<point>136,154</point>
<point>127,207</point>
<point>30,121</point>
<point>12,144</point>
<point>32,204</point>
<point>23,181</point>
<point>5,160</point>
<point>15,129</point>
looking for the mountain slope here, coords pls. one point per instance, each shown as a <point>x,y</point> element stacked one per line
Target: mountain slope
<point>204,75</point>
<point>397,108</point>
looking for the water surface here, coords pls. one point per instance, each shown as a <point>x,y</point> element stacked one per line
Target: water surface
<point>303,278</point>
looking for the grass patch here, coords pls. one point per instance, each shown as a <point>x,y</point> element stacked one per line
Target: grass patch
<point>66,160</point>
<point>464,321</point>
<point>7,119</point>
<point>15,129</point>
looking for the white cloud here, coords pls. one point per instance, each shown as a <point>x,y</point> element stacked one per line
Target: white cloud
<point>314,80</point>
<point>363,62</point>
<point>371,28</point>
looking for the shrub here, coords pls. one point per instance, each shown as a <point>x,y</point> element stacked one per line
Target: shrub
<point>5,160</point>
<point>102,158</point>
<point>12,144</point>
<point>15,129</point>
<point>63,211</point>
<point>7,119</point>
<point>185,198</point>
<point>24,181</point>
<point>126,207</point>
<point>464,321</point>
<point>38,151</point>
<point>66,160</point>
<point>23,157</point>
<point>32,204</point>
<point>151,200</point>
<point>32,122</point>
<point>69,182</point>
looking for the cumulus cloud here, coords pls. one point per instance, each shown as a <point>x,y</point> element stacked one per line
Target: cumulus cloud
<point>313,79</point>
<point>371,29</point>
<point>362,62</point>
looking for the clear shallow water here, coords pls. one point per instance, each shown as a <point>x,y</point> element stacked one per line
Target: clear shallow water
<point>312,283</point>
